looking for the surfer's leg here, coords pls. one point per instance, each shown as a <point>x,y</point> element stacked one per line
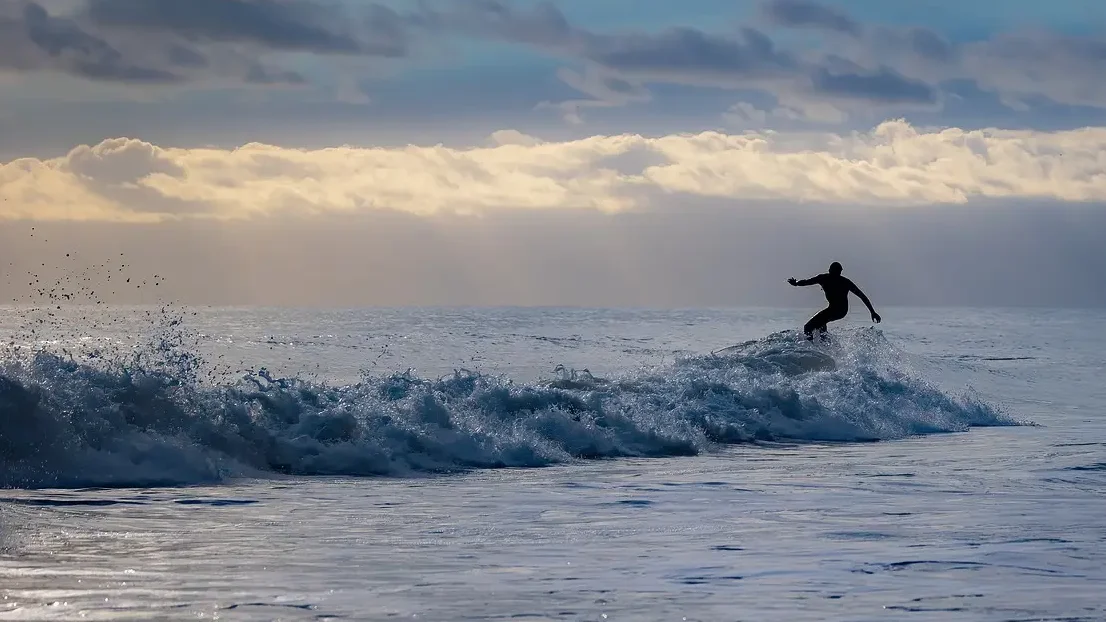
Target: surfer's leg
<point>818,322</point>
<point>824,317</point>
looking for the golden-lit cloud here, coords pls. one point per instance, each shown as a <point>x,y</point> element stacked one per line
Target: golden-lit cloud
<point>894,164</point>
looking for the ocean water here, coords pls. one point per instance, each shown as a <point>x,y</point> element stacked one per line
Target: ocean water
<point>550,464</point>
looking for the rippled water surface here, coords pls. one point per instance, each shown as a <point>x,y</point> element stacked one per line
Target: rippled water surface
<point>950,465</point>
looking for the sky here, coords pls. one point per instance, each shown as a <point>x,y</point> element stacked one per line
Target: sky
<point>572,152</point>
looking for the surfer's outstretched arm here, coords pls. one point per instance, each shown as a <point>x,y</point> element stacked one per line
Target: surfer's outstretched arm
<point>804,282</point>
<point>867,303</point>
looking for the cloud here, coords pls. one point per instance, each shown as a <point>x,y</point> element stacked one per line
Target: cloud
<point>804,14</point>
<point>811,87</point>
<point>894,164</point>
<point>929,45</point>
<point>248,43</point>
<point>152,42</point>
<point>687,55</point>
<point>259,74</point>
<point>543,25</point>
<point>605,89</point>
<point>884,86</point>
<point>1064,68</point>
<point>913,63</point>
<point>616,66</point>
<point>119,161</point>
<point>746,116</point>
<point>181,56</point>
<point>290,25</point>
<point>743,114</point>
<point>271,24</point>
<point>33,40</point>
<point>1039,65</point>
<point>894,68</point>
<point>513,137</point>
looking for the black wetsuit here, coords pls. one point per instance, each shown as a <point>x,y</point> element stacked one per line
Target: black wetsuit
<point>837,290</point>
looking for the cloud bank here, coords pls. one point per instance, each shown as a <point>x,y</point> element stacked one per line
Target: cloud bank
<point>894,164</point>
<point>851,68</point>
<point>859,68</point>
<point>152,42</point>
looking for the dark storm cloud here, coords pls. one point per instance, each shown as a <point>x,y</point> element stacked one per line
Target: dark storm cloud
<point>1064,68</point>
<point>686,53</point>
<point>693,54</point>
<point>747,58</point>
<point>278,25</point>
<point>883,86</point>
<point>182,56</point>
<point>804,14</point>
<point>170,41</point>
<point>888,66</point>
<point>156,41</point>
<point>544,25</point>
<point>33,40</point>
<point>618,85</point>
<point>259,74</point>
<point>289,25</point>
<point>930,45</point>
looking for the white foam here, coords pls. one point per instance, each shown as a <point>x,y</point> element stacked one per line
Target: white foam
<point>72,424</point>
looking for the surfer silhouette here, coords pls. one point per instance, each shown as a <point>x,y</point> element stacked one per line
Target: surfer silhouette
<point>837,290</point>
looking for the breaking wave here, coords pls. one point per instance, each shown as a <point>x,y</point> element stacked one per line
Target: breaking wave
<point>69,423</point>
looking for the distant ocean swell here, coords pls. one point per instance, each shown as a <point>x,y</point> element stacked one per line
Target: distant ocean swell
<point>66,423</point>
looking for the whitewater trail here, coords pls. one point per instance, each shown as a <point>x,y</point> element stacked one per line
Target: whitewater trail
<point>70,423</point>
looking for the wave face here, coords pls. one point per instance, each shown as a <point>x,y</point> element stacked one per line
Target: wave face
<point>66,423</point>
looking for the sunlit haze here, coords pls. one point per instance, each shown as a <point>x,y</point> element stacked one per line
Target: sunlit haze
<point>498,152</point>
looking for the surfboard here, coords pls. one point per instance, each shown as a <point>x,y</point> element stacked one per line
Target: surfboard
<point>784,353</point>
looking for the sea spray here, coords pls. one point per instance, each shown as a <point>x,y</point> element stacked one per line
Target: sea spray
<point>153,419</point>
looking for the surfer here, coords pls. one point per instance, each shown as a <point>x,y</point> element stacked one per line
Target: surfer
<point>837,290</point>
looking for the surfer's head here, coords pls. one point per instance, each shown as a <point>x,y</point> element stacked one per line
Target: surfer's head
<point>835,268</point>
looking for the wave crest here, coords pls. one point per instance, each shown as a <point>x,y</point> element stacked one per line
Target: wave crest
<point>68,423</point>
